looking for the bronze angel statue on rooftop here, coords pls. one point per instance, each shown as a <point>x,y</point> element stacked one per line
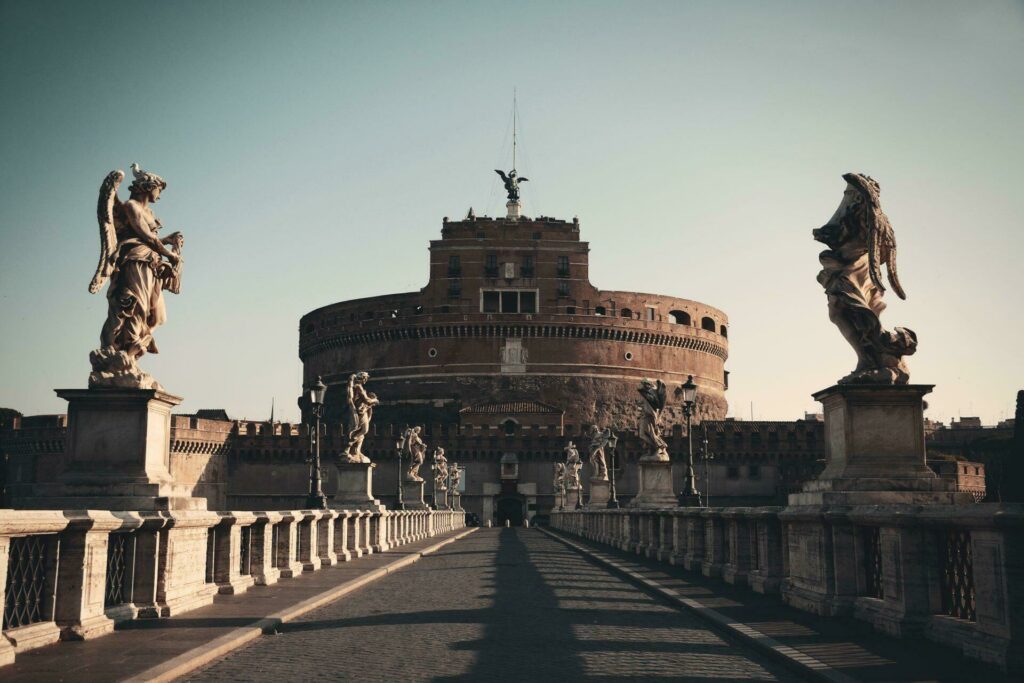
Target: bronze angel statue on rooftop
<point>140,265</point>
<point>860,241</point>
<point>511,182</point>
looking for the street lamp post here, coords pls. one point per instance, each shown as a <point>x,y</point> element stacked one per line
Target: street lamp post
<point>399,503</point>
<point>316,500</point>
<point>708,457</point>
<point>689,496</point>
<point>613,501</point>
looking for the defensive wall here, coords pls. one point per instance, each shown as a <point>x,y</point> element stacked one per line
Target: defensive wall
<point>261,465</point>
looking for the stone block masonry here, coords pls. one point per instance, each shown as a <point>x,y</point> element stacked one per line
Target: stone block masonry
<point>72,575</point>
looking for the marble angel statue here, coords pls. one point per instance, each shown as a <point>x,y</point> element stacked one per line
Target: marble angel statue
<point>599,440</point>
<point>649,429</point>
<point>860,241</point>
<point>360,403</point>
<point>415,450</point>
<point>140,265</point>
<point>440,469</point>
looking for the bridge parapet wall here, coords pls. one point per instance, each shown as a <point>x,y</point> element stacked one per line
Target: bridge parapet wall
<point>951,573</point>
<point>74,574</point>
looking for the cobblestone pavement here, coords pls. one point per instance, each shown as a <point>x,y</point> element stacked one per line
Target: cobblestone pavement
<point>508,604</point>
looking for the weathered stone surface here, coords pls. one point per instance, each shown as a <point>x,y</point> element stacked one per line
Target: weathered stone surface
<point>655,485</point>
<point>875,449</point>
<point>117,455</point>
<point>355,485</point>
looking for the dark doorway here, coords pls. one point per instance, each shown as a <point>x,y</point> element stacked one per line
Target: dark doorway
<point>510,509</point>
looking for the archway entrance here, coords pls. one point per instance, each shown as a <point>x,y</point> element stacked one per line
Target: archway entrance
<point>510,509</point>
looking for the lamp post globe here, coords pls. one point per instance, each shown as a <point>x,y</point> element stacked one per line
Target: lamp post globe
<point>689,496</point>
<point>314,398</point>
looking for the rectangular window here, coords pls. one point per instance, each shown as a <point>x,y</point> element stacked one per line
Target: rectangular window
<point>650,313</point>
<point>510,302</point>
<point>563,266</point>
<point>454,290</point>
<point>732,472</point>
<point>527,267</point>
<point>454,266</point>
<point>527,302</point>
<point>563,289</point>
<point>754,471</point>
<point>491,265</point>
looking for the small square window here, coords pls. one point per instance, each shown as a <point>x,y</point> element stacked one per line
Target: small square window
<point>732,472</point>
<point>563,289</point>
<point>754,471</point>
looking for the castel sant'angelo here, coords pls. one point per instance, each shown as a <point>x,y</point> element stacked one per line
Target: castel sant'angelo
<point>509,325</point>
<point>509,351</point>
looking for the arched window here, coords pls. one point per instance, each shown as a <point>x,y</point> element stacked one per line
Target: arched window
<point>724,331</point>
<point>679,317</point>
<point>708,324</point>
<point>510,426</point>
<point>626,313</point>
<point>599,310</point>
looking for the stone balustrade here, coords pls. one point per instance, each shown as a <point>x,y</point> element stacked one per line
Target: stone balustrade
<point>950,573</point>
<point>74,574</point>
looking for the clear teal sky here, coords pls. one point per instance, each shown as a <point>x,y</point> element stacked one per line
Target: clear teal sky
<point>312,149</point>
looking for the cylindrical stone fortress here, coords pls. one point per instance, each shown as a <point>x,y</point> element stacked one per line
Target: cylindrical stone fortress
<point>509,317</point>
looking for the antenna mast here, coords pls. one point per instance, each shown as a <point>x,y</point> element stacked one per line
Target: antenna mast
<point>514,108</point>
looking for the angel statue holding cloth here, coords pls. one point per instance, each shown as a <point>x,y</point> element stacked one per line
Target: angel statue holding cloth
<point>140,265</point>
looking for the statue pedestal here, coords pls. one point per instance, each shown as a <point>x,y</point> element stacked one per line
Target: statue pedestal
<point>874,449</point>
<point>572,499</point>
<point>514,208</point>
<point>600,493</point>
<point>457,502</point>
<point>441,499</point>
<point>355,485</point>
<point>412,495</point>
<point>874,456</point>
<point>117,455</point>
<point>655,485</point>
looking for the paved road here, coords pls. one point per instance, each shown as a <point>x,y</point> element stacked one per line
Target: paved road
<point>508,604</point>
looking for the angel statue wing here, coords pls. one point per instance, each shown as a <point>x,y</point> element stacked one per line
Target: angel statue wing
<point>661,394</point>
<point>105,207</point>
<point>504,178</point>
<point>882,249</point>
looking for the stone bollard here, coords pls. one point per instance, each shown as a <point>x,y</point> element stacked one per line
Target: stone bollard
<point>507,524</point>
<point>526,523</point>
<point>489,524</point>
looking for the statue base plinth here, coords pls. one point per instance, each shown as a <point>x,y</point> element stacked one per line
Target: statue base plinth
<point>457,502</point>
<point>572,499</point>
<point>412,495</point>
<point>441,499</point>
<point>117,454</point>
<point>355,485</point>
<point>515,209</point>
<point>600,493</point>
<point>655,485</point>
<point>874,449</point>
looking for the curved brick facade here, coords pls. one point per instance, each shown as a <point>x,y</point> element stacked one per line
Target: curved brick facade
<point>509,314</point>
